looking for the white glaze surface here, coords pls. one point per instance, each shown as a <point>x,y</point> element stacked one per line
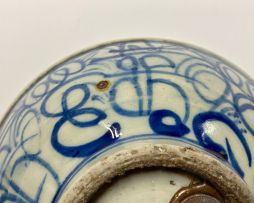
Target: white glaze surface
<point>155,88</point>
<point>153,186</point>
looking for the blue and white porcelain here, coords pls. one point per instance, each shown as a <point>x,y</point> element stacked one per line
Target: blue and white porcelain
<point>119,94</point>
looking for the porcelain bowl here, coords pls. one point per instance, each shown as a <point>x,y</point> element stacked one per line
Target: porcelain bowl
<point>131,105</point>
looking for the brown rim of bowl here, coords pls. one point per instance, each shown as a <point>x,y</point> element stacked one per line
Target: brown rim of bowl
<point>144,155</point>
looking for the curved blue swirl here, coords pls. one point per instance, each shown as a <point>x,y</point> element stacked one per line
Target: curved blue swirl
<point>85,149</point>
<point>205,141</point>
<point>156,123</point>
<point>241,108</point>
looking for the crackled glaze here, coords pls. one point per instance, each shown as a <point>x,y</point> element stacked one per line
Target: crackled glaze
<point>118,92</point>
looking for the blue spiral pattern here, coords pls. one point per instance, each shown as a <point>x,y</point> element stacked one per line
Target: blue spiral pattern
<point>168,88</point>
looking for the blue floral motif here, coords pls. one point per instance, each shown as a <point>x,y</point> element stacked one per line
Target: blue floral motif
<point>170,89</point>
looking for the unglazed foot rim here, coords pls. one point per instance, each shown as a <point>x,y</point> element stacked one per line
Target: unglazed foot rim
<point>190,159</point>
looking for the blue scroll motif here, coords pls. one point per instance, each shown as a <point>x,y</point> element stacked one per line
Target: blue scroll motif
<point>22,152</point>
<point>89,148</point>
<point>132,63</point>
<point>176,130</point>
<point>142,67</point>
<point>20,139</point>
<point>41,163</point>
<point>205,141</point>
<point>68,115</point>
<point>248,105</point>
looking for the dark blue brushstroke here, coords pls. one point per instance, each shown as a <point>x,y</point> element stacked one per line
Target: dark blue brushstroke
<point>138,68</point>
<point>241,107</point>
<point>11,198</point>
<point>86,149</point>
<point>233,160</point>
<point>204,139</point>
<point>156,123</point>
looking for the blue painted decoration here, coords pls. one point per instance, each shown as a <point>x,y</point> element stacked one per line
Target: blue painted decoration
<point>164,89</point>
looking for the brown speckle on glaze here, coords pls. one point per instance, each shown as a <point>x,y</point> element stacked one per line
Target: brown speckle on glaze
<point>103,85</point>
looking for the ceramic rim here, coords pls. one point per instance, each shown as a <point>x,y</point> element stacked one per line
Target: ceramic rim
<point>187,158</point>
<point>111,42</point>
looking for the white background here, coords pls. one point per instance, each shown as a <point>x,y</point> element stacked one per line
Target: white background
<point>35,34</point>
